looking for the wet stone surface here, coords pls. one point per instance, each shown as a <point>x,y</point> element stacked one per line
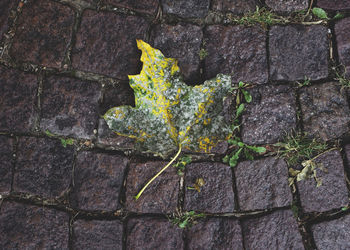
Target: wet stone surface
<point>5,7</point>
<point>342,32</point>
<point>26,227</point>
<point>216,195</point>
<point>334,4</point>
<point>325,111</point>
<point>70,107</point>
<point>333,191</point>
<point>270,115</point>
<point>237,7</point>
<point>287,6</point>
<point>262,184</point>
<point>298,52</point>
<point>43,167</point>
<point>334,234</point>
<point>143,6</point>
<point>215,233</point>
<point>236,50</point>
<point>96,234</point>
<point>186,8</point>
<point>98,180</point>
<point>6,162</point>
<point>17,100</point>
<point>149,233</point>
<point>182,42</point>
<point>43,33</point>
<point>106,44</point>
<point>278,230</point>
<point>160,197</point>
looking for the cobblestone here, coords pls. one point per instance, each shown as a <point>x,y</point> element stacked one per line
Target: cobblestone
<point>237,7</point>
<point>5,7</point>
<point>334,4</point>
<point>287,7</point>
<point>343,43</point>
<point>143,6</point>
<point>6,161</point>
<point>186,8</point>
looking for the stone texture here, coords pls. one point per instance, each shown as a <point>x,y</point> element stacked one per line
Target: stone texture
<point>43,167</point>
<point>160,197</point>
<point>262,184</point>
<point>70,107</point>
<point>186,8</point>
<point>325,111</point>
<point>6,162</point>
<point>106,44</point>
<point>342,32</point>
<point>216,195</point>
<point>334,4</point>
<point>17,100</point>
<point>5,8</point>
<point>43,33</point>
<point>332,193</point>
<point>287,6</point>
<point>333,234</point>
<point>24,226</point>
<point>270,115</point>
<point>182,42</point>
<point>144,6</point>
<point>278,230</point>
<point>215,233</point>
<point>297,52</point>
<point>149,233</point>
<point>96,234</point>
<point>98,180</point>
<point>347,153</point>
<point>237,7</point>
<point>236,50</point>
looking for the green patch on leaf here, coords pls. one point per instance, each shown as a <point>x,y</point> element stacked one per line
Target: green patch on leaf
<point>320,13</point>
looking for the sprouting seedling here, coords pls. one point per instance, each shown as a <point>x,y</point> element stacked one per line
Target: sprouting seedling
<point>170,116</point>
<point>182,163</point>
<point>185,219</point>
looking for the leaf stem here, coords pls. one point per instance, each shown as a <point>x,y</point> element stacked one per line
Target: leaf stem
<point>161,171</point>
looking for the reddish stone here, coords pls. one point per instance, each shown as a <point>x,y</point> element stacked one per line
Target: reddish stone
<point>237,7</point>
<point>145,6</point>
<point>97,234</point>
<point>24,226</point>
<point>6,162</point>
<point>347,153</point>
<point>334,4</point>
<point>186,8</point>
<point>149,233</point>
<point>5,7</point>
<point>43,167</point>
<point>332,193</point>
<point>216,195</point>
<point>236,50</point>
<point>43,33</point>
<point>70,107</point>
<point>287,6</point>
<point>161,195</point>
<point>342,32</point>
<point>98,180</point>
<point>106,44</point>
<point>17,100</point>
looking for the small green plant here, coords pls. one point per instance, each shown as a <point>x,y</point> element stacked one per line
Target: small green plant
<point>49,134</point>
<point>306,82</point>
<point>203,53</point>
<point>185,219</point>
<point>320,13</point>
<point>340,76</point>
<point>241,96</point>
<point>181,164</point>
<point>66,142</point>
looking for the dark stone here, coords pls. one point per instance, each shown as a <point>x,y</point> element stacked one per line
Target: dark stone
<point>262,184</point>
<point>342,31</point>
<point>237,7</point>
<point>5,7</point>
<point>186,8</point>
<point>347,153</point>
<point>236,50</point>
<point>17,100</point>
<point>149,233</point>
<point>98,180</point>
<point>332,193</point>
<point>298,52</point>
<point>144,6</point>
<point>270,115</point>
<point>278,230</point>
<point>334,4</point>
<point>333,234</point>
<point>182,42</point>
<point>287,6</point>
<point>325,111</point>
<point>106,44</point>
<point>43,33</point>
<point>117,96</point>
<point>216,195</point>
<point>43,167</point>
<point>215,233</point>
<point>70,107</point>
<point>97,234</point>
<point>160,197</point>
<point>6,162</point>
<point>30,227</point>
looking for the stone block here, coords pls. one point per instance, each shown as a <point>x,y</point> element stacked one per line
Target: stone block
<point>6,163</point>
<point>334,4</point>
<point>143,6</point>
<point>287,6</point>
<point>5,7</point>
<point>237,7</point>
<point>298,52</point>
<point>186,8</point>
<point>342,32</point>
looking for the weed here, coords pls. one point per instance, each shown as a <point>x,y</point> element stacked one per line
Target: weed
<point>197,185</point>
<point>306,82</point>
<point>340,76</point>
<point>185,219</point>
<point>181,163</point>
<point>203,53</point>
<point>49,134</point>
<point>66,142</point>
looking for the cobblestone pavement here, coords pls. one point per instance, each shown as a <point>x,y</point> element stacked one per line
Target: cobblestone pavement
<point>67,182</point>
